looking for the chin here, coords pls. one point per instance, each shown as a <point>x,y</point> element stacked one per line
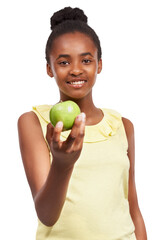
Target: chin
<point>77,96</point>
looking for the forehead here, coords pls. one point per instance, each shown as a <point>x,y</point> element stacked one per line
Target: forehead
<point>75,42</point>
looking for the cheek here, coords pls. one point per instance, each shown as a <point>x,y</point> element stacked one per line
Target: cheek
<point>93,71</point>
<point>60,73</point>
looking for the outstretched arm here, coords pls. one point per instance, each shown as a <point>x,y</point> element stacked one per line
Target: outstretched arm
<point>48,182</point>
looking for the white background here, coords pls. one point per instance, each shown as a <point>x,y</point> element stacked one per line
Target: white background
<point>130,34</point>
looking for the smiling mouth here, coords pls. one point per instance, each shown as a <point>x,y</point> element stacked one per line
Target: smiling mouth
<point>80,82</point>
<point>77,84</point>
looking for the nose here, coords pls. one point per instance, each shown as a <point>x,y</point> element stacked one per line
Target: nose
<point>76,69</point>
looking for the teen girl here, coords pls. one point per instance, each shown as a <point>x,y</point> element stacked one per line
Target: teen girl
<point>82,180</point>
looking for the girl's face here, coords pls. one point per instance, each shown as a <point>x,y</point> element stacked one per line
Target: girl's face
<point>74,65</point>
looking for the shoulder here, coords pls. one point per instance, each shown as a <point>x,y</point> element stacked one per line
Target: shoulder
<point>129,127</point>
<point>28,122</point>
<point>128,123</point>
<point>27,117</point>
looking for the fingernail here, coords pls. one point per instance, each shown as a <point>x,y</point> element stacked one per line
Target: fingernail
<point>59,124</point>
<point>79,117</point>
<point>83,116</point>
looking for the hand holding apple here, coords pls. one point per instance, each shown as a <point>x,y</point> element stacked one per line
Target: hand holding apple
<point>66,112</point>
<point>66,153</point>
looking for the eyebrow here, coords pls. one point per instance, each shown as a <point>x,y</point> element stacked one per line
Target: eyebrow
<point>86,53</point>
<point>67,55</point>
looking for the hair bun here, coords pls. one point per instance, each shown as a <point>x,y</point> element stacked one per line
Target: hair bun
<point>67,13</point>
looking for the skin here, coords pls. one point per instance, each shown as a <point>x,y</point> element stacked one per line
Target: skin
<point>45,177</point>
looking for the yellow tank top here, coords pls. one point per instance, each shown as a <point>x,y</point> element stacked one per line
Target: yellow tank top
<point>96,205</point>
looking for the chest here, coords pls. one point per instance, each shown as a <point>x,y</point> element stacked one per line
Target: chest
<point>108,155</point>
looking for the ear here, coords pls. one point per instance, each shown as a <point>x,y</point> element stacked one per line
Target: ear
<point>49,70</point>
<point>99,66</point>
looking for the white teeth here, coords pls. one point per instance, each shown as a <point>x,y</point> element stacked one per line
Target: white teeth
<point>77,83</point>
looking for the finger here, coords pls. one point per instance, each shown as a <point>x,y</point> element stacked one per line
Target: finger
<point>79,140</point>
<point>49,132</point>
<point>75,130</point>
<point>56,134</point>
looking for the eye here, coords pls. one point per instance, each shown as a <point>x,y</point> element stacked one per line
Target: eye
<point>63,63</point>
<point>86,61</point>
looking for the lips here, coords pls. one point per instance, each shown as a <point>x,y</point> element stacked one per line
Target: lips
<point>77,81</point>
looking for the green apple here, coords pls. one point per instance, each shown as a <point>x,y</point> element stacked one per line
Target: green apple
<point>66,112</point>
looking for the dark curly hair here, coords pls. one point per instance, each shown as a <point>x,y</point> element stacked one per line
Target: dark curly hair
<point>69,20</point>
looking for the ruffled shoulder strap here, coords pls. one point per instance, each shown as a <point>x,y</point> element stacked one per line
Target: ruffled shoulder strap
<point>113,119</point>
<point>107,127</point>
<point>43,111</point>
